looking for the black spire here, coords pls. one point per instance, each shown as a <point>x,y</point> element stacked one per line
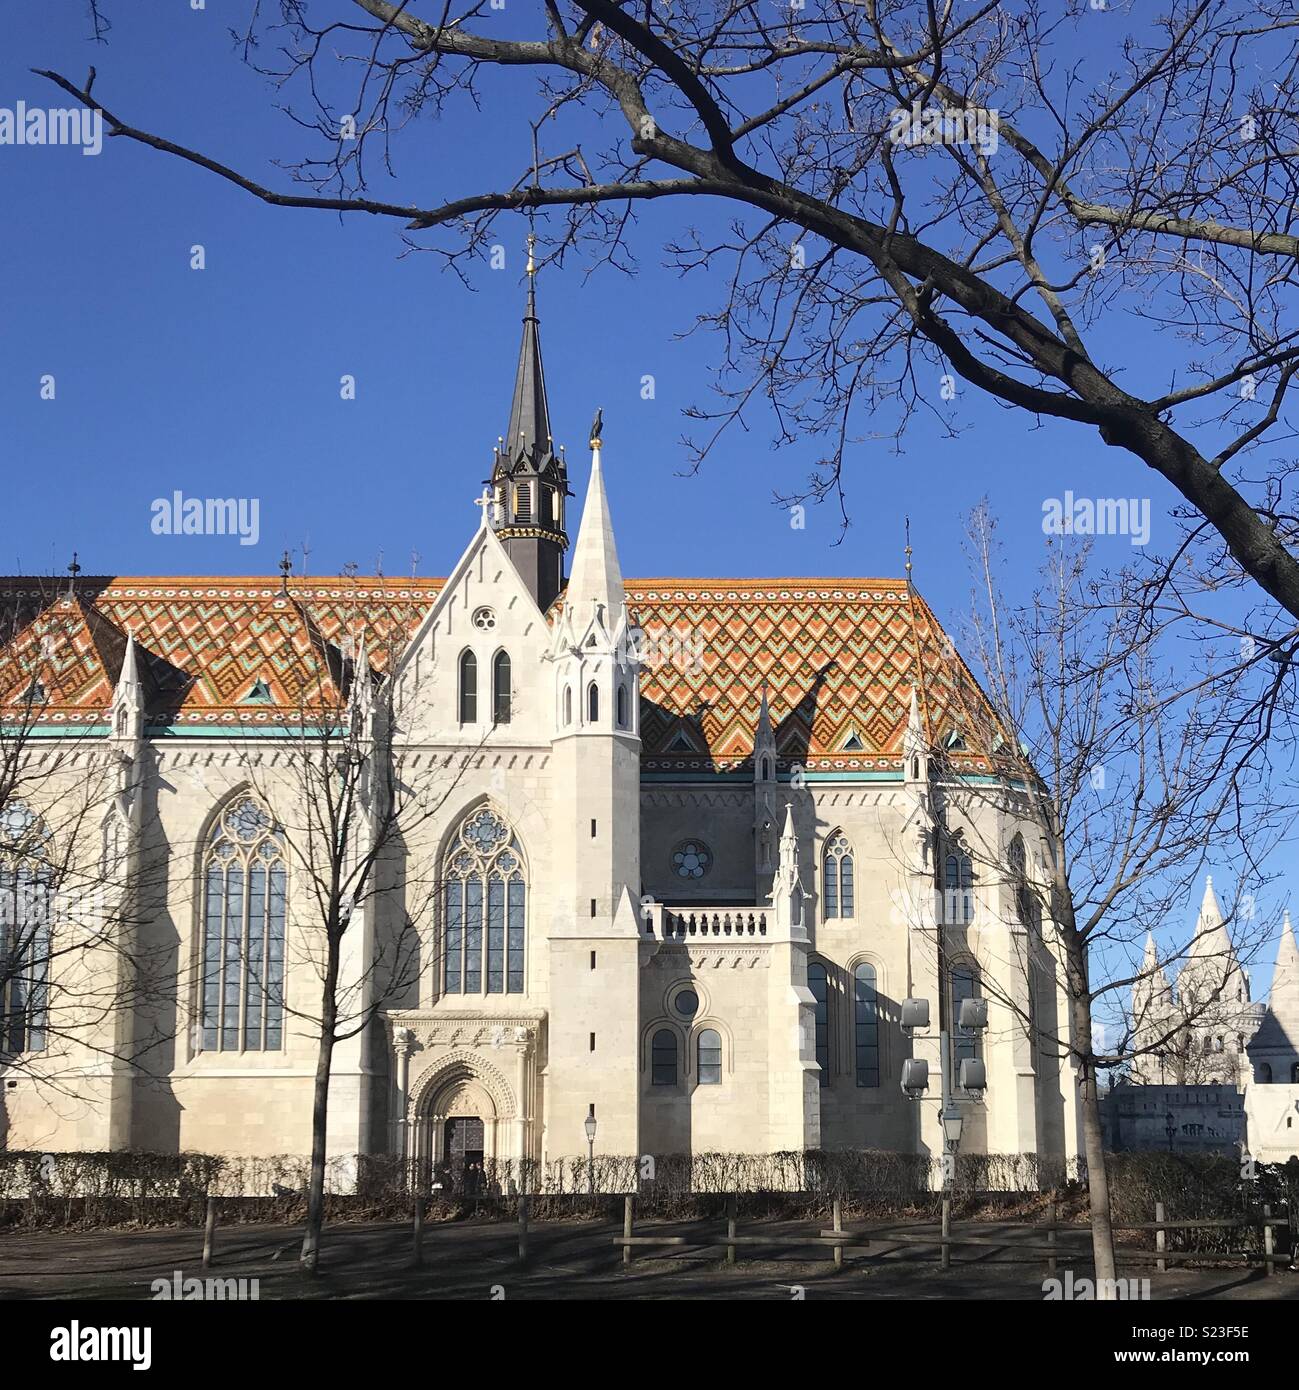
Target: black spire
<point>528,434</point>
<point>529,480</point>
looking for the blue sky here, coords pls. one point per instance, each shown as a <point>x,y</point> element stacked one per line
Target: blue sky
<point>225,381</point>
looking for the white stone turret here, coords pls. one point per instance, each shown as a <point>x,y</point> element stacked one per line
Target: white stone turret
<point>918,830</point>
<point>120,888</point>
<point>1274,1049</point>
<point>787,896</point>
<point>596,674</point>
<point>915,747</point>
<point>793,1076</point>
<point>594,1039</point>
<point>1153,1017</point>
<point>765,799</point>
<point>128,713</point>
<point>1213,994</point>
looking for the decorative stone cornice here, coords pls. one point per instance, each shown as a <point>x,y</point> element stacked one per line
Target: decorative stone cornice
<point>429,1030</point>
<point>670,955</point>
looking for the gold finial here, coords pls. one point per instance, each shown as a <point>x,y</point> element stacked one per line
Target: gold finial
<point>597,430</point>
<point>532,259</point>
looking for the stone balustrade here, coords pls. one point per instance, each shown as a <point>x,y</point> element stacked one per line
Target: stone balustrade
<point>689,923</point>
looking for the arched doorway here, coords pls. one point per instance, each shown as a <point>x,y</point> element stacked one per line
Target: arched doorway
<point>465,1125</point>
<point>463,1153</point>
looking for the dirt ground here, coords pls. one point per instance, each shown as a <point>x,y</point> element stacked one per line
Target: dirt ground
<point>578,1260</point>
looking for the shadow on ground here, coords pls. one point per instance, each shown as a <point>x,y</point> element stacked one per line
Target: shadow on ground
<point>572,1260</point>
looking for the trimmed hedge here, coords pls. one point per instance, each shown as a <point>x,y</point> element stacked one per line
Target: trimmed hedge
<point>132,1188</point>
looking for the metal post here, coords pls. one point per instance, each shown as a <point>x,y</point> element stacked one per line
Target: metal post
<point>730,1229</point>
<point>1161,1239</point>
<point>1269,1242</point>
<point>1050,1237</point>
<point>947,1231</point>
<point>628,1210</point>
<point>590,1167</point>
<point>838,1227</point>
<point>417,1232</point>
<point>209,1231</point>
<point>523,1228</point>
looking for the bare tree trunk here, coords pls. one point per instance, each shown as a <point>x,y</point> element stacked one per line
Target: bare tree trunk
<point>310,1258</point>
<point>1098,1183</point>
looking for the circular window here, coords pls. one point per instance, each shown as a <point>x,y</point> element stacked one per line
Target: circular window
<point>686,1003</point>
<point>484,619</point>
<point>692,859</point>
<point>15,820</point>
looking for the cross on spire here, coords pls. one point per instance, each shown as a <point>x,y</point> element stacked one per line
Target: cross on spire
<point>486,502</point>
<point>74,569</point>
<point>286,569</point>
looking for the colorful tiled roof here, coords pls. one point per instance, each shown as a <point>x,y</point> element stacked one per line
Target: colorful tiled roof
<point>838,658</point>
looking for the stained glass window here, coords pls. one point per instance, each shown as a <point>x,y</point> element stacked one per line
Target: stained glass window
<point>468,688</point>
<point>692,859</point>
<point>818,983</point>
<point>501,688</point>
<point>26,896</point>
<point>485,907</point>
<point>964,985</point>
<point>866,1025</point>
<point>958,882</point>
<point>839,894</point>
<point>244,905</point>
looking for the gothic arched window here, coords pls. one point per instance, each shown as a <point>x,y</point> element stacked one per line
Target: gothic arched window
<point>1018,858</point>
<point>468,687</point>
<point>501,688</point>
<point>622,705</point>
<point>958,883</point>
<point>837,875</point>
<point>26,895</point>
<point>1264,1074</point>
<point>485,900</point>
<point>663,1058</point>
<point>819,984</point>
<point>866,1025</point>
<point>710,1057</point>
<point>568,704</point>
<point>244,873</point>
<point>592,702</point>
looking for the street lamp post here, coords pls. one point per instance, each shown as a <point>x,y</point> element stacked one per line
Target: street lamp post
<point>589,1126</point>
<point>972,1080</point>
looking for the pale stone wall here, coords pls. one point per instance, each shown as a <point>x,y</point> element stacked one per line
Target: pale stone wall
<point>1272,1122</point>
<point>595,840</point>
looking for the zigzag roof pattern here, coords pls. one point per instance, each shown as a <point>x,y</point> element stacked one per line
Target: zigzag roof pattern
<point>838,658</point>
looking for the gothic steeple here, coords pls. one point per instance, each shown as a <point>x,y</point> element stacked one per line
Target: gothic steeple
<point>529,481</point>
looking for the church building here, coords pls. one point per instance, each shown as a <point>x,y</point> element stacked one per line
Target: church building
<point>672,853</point>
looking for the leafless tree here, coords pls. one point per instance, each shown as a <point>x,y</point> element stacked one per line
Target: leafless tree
<point>924,189</point>
<point>351,786</point>
<point>74,890</point>
<point>1133,768</point>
